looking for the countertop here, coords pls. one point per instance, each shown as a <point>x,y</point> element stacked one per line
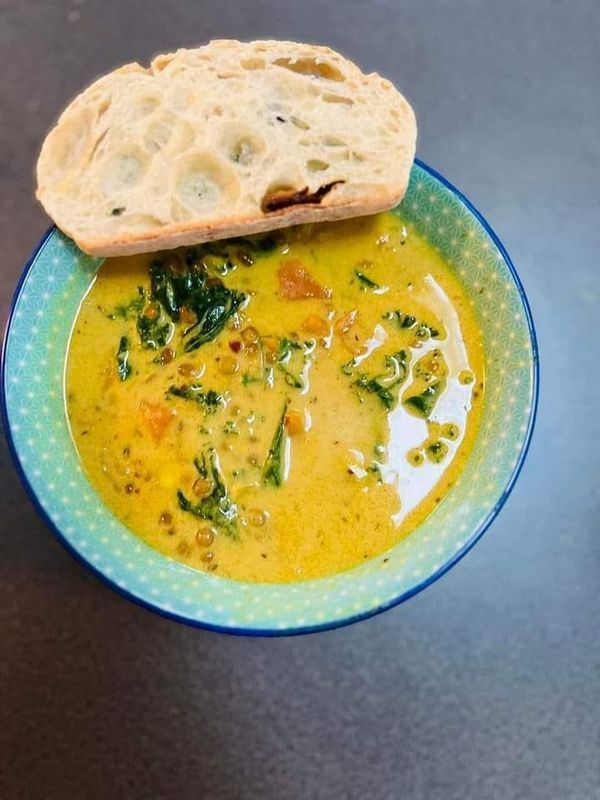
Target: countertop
<point>486,685</point>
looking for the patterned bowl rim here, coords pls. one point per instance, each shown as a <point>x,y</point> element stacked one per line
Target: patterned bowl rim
<point>337,623</point>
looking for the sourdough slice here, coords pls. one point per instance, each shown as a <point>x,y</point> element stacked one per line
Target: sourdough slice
<point>231,138</point>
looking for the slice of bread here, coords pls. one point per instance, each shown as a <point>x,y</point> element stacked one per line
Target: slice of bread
<point>230,139</point>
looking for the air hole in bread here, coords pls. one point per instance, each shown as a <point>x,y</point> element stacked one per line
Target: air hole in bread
<point>253,63</point>
<point>158,135</point>
<point>299,123</point>
<point>204,183</point>
<point>103,108</point>
<point>245,150</point>
<point>311,67</point>
<point>145,106</point>
<point>337,98</point>
<point>198,190</point>
<point>333,141</point>
<point>358,156</point>
<point>316,165</point>
<point>124,170</point>
<point>97,150</point>
<point>68,147</point>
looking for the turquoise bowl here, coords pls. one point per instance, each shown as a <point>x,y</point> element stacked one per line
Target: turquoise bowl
<point>32,394</point>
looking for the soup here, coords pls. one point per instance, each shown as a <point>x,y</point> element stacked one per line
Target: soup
<point>281,407</point>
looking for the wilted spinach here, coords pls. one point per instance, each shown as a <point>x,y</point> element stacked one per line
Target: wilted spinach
<point>216,507</point>
<point>123,366</point>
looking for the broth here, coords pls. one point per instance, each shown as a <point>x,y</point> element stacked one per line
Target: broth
<point>277,408</point>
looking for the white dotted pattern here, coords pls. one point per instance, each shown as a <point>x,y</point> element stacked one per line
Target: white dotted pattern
<point>35,355</point>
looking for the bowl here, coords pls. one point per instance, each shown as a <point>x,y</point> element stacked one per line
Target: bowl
<point>32,397</point>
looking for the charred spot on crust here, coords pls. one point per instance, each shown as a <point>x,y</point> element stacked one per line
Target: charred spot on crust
<point>283,198</point>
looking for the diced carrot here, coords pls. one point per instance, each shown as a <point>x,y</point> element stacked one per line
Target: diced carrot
<point>344,323</point>
<point>294,423</point>
<point>350,334</point>
<point>187,316</point>
<point>315,325</point>
<point>155,417</point>
<point>296,283</point>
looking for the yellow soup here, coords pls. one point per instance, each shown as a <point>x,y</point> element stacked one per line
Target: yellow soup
<point>281,407</point>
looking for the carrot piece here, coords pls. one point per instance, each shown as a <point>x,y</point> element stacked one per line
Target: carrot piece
<point>350,333</point>
<point>294,423</point>
<point>296,283</point>
<point>344,323</point>
<point>155,417</point>
<point>316,325</point>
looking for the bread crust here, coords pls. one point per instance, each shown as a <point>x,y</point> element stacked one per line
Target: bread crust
<point>187,150</point>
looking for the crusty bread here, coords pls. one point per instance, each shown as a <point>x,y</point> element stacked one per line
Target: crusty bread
<point>229,139</point>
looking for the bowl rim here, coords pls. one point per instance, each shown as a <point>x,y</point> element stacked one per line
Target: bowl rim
<point>338,623</point>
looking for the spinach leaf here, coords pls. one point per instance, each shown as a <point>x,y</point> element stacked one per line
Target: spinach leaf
<point>437,451</point>
<point>292,361</point>
<point>129,310</point>
<point>123,366</point>
<point>274,468</point>
<point>213,308</point>
<point>154,331</point>
<point>372,385</point>
<point>248,378</point>
<point>422,405</point>
<point>365,281</point>
<point>210,401</point>
<point>285,353</point>
<point>175,286</point>
<point>217,507</point>
<point>430,374</point>
<point>408,322</point>
<point>210,306</point>
<point>382,385</point>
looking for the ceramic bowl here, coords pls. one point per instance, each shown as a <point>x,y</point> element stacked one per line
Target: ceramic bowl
<point>32,390</point>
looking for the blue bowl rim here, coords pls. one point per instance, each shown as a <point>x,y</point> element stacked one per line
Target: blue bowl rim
<point>270,632</point>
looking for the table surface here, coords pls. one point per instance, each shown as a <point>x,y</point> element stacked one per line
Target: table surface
<point>486,685</point>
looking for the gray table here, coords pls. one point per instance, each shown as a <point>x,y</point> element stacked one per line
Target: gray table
<point>487,685</point>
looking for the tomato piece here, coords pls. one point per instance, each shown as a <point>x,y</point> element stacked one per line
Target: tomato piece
<point>296,283</point>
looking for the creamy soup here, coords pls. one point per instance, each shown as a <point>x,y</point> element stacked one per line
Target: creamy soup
<point>281,407</point>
